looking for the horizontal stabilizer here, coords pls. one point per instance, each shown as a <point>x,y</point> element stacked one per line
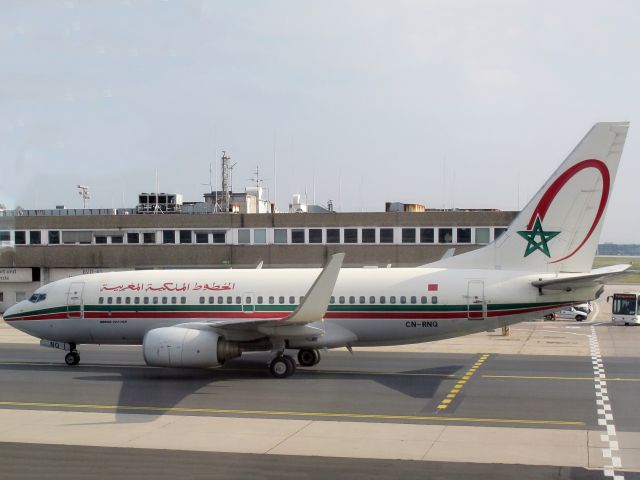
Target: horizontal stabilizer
<point>597,276</point>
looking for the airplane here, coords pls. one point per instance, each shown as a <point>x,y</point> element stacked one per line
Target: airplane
<point>200,318</point>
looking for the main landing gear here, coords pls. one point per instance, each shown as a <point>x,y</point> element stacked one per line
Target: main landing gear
<point>73,357</point>
<point>308,357</point>
<point>284,366</point>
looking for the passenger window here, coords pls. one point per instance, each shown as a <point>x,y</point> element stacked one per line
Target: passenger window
<point>220,300</point>
<point>201,299</point>
<point>382,299</point>
<point>238,300</point>
<point>211,300</point>
<point>434,300</point>
<point>101,300</point>
<point>372,299</point>
<point>127,300</point>
<point>403,299</point>
<point>301,298</point>
<point>119,300</point>
<point>423,299</point>
<point>341,300</point>
<point>272,300</point>
<point>146,300</point>
<point>174,300</point>
<point>414,299</point>
<point>392,299</point>
<point>281,300</point>
<point>183,300</point>
<point>259,299</point>
<point>333,299</point>
<point>248,300</point>
<point>109,300</point>
<point>292,300</point>
<point>362,300</point>
<point>352,299</point>
<point>136,300</point>
<point>165,300</point>
<point>229,300</point>
<point>155,300</point>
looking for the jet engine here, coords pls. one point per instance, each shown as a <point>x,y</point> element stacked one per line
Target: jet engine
<point>186,347</point>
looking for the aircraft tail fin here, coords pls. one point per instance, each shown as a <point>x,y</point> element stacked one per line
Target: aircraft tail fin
<point>559,229</point>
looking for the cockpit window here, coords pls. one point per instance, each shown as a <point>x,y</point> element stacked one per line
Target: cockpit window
<point>37,297</point>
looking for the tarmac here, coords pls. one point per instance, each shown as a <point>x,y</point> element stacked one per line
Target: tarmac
<point>530,402</point>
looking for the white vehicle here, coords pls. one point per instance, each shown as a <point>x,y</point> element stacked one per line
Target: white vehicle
<point>200,318</point>
<point>584,307</point>
<point>572,313</point>
<point>625,308</point>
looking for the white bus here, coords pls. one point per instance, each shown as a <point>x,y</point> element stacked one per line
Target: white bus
<point>625,308</point>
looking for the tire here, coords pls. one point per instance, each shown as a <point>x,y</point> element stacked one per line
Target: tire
<point>282,367</point>
<point>579,318</point>
<point>71,358</point>
<point>308,357</point>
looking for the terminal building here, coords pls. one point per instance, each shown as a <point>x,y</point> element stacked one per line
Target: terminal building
<point>37,247</point>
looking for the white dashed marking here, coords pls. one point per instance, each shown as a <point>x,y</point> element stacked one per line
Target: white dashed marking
<point>603,409</point>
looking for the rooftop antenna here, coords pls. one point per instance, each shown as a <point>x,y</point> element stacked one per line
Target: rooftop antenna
<point>156,207</point>
<point>83,191</point>
<point>227,180</point>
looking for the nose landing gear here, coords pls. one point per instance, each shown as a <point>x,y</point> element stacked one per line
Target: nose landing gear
<point>73,357</point>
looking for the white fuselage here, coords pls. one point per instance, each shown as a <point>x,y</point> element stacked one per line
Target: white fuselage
<point>369,306</point>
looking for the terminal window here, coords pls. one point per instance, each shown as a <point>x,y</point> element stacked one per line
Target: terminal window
<point>168,236</point>
<point>244,235</point>
<point>260,235</point>
<point>445,235</point>
<point>101,239</point>
<point>54,237</point>
<point>464,235</point>
<point>280,235</point>
<point>297,235</point>
<point>386,235</point>
<point>133,237</point>
<point>497,232</point>
<point>368,235</point>
<point>426,235</point>
<point>350,235</point>
<point>149,237</point>
<point>219,237</point>
<point>35,237</point>
<point>117,239</point>
<point>5,236</point>
<point>185,236</point>
<point>20,237</point>
<point>482,236</point>
<point>202,237</point>
<point>333,235</point>
<point>408,235</point>
<point>315,235</point>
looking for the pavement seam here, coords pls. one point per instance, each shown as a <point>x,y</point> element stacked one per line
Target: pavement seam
<point>435,440</point>
<point>293,434</point>
<point>610,452</point>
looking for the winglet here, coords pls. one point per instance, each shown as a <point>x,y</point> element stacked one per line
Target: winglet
<point>316,301</point>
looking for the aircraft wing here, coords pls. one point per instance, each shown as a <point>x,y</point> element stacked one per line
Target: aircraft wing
<point>580,280</point>
<point>312,309</point>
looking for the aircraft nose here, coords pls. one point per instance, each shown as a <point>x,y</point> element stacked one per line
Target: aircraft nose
<point>12,310</point>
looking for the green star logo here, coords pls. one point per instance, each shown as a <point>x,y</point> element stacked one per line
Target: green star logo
<point>537,232</point>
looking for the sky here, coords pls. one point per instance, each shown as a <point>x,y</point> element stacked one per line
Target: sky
<point>447,103</point>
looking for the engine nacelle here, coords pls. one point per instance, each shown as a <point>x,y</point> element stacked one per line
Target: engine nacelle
<point>186,347</point>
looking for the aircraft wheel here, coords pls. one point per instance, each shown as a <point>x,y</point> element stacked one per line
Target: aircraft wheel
<point>72,358</point>
<point>308,357</point>
<point>282,366</point>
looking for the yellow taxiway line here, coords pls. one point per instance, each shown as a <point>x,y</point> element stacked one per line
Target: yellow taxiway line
<point>461,382</point>
<point>131,408</point>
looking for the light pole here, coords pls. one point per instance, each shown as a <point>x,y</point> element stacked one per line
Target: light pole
<point>83,191</point>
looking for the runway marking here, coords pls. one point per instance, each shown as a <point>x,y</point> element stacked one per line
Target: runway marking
<point>605,414</point>
<point>533,377</point>
<point>369,416</point>
<point>456,389</point>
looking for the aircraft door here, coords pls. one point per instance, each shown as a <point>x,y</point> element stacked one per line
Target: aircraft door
<point>476,303</point>
<point>75,305</point>
<point>248,305</point>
